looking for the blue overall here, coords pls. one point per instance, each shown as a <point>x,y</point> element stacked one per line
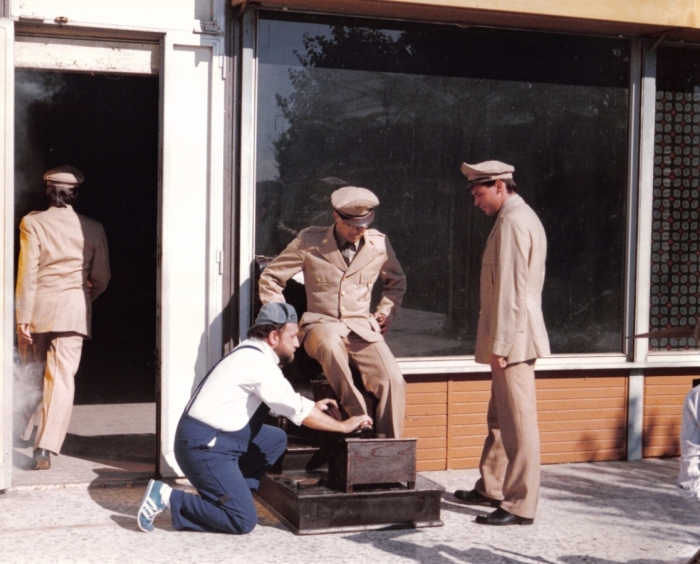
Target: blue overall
<point>224,473</point>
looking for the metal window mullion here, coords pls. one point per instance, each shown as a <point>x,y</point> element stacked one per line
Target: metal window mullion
<point>635,101</point>
<point>249,87</point>
<point>645,204</point>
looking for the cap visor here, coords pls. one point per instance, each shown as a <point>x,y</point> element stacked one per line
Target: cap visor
<point>358,221</point>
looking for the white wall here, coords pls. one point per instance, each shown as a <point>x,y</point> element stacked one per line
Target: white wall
<point>191,67</point>
<point>144,15</point>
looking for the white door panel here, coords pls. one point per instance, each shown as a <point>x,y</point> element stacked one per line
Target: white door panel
<point>7,102</point>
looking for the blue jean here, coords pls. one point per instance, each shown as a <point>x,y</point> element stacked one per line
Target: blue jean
<point>223,474</point>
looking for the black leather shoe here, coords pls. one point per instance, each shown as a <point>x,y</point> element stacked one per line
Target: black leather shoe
<point>42,459</point>
<point>473,497</point>
<point>501,517</point>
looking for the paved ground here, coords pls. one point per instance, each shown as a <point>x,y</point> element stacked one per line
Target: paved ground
<point>598,513</point>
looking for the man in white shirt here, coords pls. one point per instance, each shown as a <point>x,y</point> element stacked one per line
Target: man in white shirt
<point>221,443</point>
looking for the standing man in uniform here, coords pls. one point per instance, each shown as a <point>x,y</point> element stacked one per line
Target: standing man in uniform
<point>63,267</point>
<point>340,265</point>
<point>511,335</point>
<point>221,443</point>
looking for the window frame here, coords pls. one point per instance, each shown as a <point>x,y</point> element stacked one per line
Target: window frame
<point>637,273</point>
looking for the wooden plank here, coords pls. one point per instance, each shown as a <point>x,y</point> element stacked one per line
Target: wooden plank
<point>654,440</point>
<point>468,419</point>
<point>467,430</point>
<point>669,390</point>
<point>421,432</point>
<point>582,424</point>
<point>464,441</point>
<point>660,410</point>
<point>464,464</point>
<point>664,400</point>
<point>674,419</point>
<point>467,452</point>
<point>426,421</point>
<point>428,465</point>
<point>575,394</point>
<point>431,454</point>
<point>596,456</point>
<point>429,442</point>
<point>567,405</point>
<point>582,445</point>
<point>470,397</point>
<point>459,386</point>
<point>582,414</point>
<point>652,381</point>
<point>583,436</point>
<point>579,383</point>
<point>425,387</point>
<point>417,399</point>
<point>418,410</point>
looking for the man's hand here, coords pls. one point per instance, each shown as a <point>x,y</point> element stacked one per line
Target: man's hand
<point>23,334</point>
<point>357,422</point>
<point>383,320</point>
<point>330,408</point>
<point>499,361</point>
<point>89,286</point>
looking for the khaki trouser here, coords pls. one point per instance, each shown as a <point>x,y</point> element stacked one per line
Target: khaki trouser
<point>60,352</point>
<point>510,461</point>
<point>378,368</point>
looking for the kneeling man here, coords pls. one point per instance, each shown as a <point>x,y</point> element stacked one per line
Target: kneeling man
<point>221,443</point>
<point>340,264</point>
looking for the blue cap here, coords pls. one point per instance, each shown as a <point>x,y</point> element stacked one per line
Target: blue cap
<point>276,313</point>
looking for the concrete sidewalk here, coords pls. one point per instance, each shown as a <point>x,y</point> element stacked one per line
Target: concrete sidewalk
<point>597,513</point>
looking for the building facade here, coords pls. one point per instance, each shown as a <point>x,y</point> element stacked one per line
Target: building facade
<point>207,128</point>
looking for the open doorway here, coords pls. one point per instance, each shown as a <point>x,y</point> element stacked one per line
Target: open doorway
<point>105,125</point>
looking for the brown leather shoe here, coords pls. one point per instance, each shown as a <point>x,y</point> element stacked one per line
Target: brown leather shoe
<point>42,459</point>
<point>473,497</point>
<point>501,517</point>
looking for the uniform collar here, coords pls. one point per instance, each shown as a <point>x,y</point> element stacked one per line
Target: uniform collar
<point>514,201</point>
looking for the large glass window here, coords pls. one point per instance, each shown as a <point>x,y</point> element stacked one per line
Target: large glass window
<point>675,294</point>
<point>398,107</point>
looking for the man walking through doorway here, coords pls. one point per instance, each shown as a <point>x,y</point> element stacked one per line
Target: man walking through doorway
<point>63,267</point>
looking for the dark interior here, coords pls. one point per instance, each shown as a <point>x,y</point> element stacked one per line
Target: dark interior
<point>106,126</point>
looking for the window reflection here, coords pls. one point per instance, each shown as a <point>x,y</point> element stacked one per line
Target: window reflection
<point>399,109</point>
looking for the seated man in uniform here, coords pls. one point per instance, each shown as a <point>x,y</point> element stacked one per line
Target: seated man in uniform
<point>221,443</point>
<point>340,264</point>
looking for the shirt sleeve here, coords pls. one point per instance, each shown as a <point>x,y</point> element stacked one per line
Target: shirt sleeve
<point>510,285</point>
<point>277,393</point>
<point>394,283</point>
<point>274,278</point>
<point>27,270</point>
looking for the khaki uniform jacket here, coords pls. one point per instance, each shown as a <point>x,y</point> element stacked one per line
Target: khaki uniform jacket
<point>336,293</point>
<point>60,250</point>
<point>512,275</point>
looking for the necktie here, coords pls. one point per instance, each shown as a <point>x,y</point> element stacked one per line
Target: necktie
<point>348,251</point>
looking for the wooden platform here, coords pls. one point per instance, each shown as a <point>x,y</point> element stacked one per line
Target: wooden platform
<point>303,502</point>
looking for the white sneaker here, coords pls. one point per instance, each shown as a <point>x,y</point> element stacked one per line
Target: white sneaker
<point>151,505</point>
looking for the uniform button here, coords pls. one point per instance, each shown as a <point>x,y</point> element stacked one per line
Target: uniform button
<point>342,293</point>
<point>318,279</point>
<point>342,309</point>
<point>325,241</point>
<point>371,242</point>
<point>343,320</point>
